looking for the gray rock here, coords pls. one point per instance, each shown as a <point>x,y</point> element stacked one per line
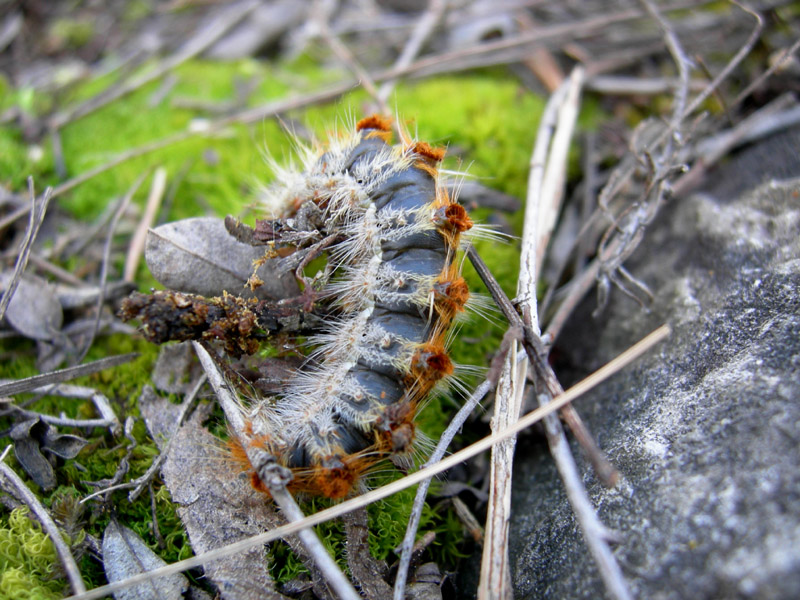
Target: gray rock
<point>705,428</point>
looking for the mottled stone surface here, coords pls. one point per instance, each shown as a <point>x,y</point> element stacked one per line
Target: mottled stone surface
<point>706,428</point>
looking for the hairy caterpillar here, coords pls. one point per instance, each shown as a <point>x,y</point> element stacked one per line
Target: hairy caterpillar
<point>378,318</point>
<point>393,236</point>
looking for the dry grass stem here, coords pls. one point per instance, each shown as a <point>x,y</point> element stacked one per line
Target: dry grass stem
<point>101,296</point>
<point>422,31</point>
<point>545,191</point>
<point>407,546</point>
<point>31,383</point>
<point>34,223</point>
<point>201,41</point>
<point>136,247</point>
<point>146,479</point>
<point>322,11</point>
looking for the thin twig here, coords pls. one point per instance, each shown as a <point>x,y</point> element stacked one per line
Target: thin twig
<point>31,383</point>
<point>414,518</point>
<point>499,583</point>
<point>756,83</point>
<point>594,532</point>
<point>21,491</point>
<point>34,223</point>
<point>185,407</point>
<point>64,421</point>
<point>544,183</point>
<point>763,122</point>
<point>322,11</point>
<point>101,296</point>
<point>422,31</point>
<point>606,371</point>
<point>136,247</point>
<point>733,63</point>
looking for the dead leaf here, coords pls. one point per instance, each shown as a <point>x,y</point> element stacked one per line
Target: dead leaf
<point>125,554</point>
<point>33,437</point>
<point>216,503</point>
<point>34,310</point>
<point>176,368</point>
<point>199,256</point>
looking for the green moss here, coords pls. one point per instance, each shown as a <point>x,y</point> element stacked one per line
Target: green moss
<point>28,560</point>
<point>19,160</point>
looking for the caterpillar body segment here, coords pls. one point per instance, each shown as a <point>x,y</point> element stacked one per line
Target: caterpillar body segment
<point>397,288</point>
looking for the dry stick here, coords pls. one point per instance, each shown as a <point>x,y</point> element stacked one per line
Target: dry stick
<point>563,31</point>
<point>682,91</point>
<point>763,122</point>
<point>552,185</point>
<point>101,296</point>
<point>139,483</point>
<point>102,405</point>
<point>495,581</point>
<point>425,26</point>
<point>184,411</point>
<point>594,532</point>
<point>621,85</point>
<point>34,223</point>
<point>495,576</point>
<point>30,383</point>
<point>324,562</point>
<point>65,421</point>
<point>537,230</point>
<point>197,44</point>
<point>136,247</point>
<point>766,74</point>
<point>541,62</point>
<point>584,282</point>
<point>21,491</point>
<point>734,62</point>
<point>623,177</point>
<point>327,514</point>
<point>322,11</point>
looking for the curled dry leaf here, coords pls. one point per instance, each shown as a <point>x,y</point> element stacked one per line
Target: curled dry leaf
<point>125,554</point>
<point>34,310</point>
<point>199,256</point>
<point>32,438</point>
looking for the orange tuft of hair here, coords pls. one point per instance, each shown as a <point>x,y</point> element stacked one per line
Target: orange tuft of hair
<point>374,122</point>
<point>428,152</point>
<point>450,295</point>
<point>430,364</point>
<point>456,215</point>
<point>336,482</point>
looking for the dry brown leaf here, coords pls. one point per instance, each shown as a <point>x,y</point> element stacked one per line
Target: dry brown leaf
<point>125,554</point>
<point>199,256</point>
<point>34,310</point>
<point>216,503</point>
